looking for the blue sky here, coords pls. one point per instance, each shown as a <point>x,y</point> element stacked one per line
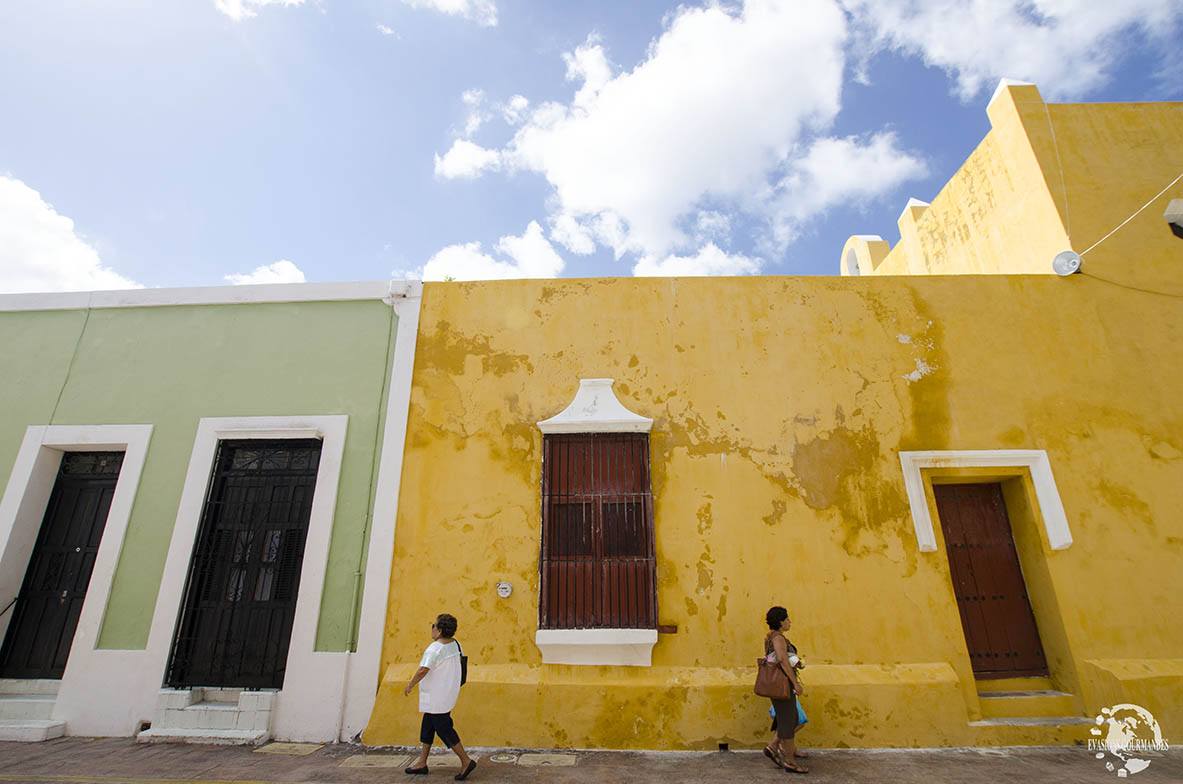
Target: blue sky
<point>202,142</point>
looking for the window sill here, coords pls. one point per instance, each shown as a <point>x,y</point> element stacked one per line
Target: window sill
<point>626,647</point>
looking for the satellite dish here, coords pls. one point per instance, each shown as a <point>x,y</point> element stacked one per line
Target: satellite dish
<point>1066,262</point>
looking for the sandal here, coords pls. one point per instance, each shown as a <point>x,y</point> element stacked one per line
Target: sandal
<point>800,755</point>
<point>795,769</point>
<point>772,755</point>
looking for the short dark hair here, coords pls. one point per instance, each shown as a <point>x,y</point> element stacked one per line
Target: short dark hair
<point>776,616</point>
<point>446,624</point>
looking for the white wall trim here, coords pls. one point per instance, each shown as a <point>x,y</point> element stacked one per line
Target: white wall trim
<point>1051,508</point>
<point>364,669</point>
<point>627,647</point>
<point>22,510</point>
<point>595,409</point>
<point>213,295</point>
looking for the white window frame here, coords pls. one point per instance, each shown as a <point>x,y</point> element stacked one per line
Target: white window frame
<point>22,510</point>
<point>595,409</point>
<point>313,680</point>
<point>1055,521</point>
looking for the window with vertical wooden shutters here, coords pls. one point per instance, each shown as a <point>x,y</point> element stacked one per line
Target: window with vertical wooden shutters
<point>597,554</point>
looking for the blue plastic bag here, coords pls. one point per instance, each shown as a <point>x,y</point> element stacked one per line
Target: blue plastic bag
<point>801,717</point>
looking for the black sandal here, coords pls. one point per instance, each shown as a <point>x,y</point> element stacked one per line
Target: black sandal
<point>790,768</point>
<point>772,755</point>
<point>462,776</point>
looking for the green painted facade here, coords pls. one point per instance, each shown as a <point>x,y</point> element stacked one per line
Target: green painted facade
<point>171,366</point>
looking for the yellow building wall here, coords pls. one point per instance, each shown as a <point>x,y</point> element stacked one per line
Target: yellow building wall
<point>1048,178</point>
<point>780,406</point>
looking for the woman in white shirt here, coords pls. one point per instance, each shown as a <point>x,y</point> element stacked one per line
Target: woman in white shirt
<point>438,678</point>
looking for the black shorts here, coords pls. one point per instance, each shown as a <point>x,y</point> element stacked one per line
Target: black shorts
<point>438,724</point>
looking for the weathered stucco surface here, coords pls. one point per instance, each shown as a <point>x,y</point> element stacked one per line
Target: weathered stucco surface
<point>780,406</point>
<point>1048,178</point>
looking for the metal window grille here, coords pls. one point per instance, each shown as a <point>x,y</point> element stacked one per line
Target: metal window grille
<point>597,553</point>
<point>240,600</point>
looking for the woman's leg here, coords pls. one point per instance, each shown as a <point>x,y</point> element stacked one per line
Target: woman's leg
<point>462,754</point>
<point>426,736</point>
<point>421,760</point>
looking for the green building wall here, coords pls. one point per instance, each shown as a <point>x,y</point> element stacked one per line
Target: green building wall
<point>169,367</point>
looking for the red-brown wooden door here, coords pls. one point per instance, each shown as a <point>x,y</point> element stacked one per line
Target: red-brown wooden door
<point>988,582</point>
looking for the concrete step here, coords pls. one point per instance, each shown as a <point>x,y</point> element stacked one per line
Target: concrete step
<point>1014,684</point>
<point>26,706</point>
<point>1032,731</point>
<point>31,730</point>
<point>1026,704</point>
<point>217,737</point>
<point>24,686</point>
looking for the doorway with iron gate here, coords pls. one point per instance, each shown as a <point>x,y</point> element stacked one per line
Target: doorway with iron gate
<point>240,598</point>
<point>45,613</point>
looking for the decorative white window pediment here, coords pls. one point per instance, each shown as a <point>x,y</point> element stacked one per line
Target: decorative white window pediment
<point>595,409</point>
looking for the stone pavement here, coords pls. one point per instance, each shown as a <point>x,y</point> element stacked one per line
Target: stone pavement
<point>123,761</point>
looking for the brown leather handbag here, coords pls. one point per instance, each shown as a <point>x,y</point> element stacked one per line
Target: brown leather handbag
<point>771,680</point>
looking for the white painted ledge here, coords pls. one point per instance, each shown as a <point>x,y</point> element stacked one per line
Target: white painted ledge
<point>389,291</point>
<point>1055,521</point>
<point>595,409</point>
<point>627,647</point>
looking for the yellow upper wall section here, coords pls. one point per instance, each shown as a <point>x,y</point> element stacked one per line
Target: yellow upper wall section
<point>779,407</point>
<point>1047,178</point>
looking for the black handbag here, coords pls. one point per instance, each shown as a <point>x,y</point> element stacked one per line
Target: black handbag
<point>463,665</point>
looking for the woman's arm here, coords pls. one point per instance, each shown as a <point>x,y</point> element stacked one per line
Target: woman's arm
<point>782,656</point>
<point>420,674</point>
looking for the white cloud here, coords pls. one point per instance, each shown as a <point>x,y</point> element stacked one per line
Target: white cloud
<point>465,159</point>
<point>40,251</point>
<point>725,104</point>
<point>474,99</point>
<point>483,12</point>
<point>833,172</point>
<point>514,110</point>
<point>282,271</point>
<point>571,234</point>
<point>1067,47</point>
<point>530,256</point>
<point>709,260</point>
<point>388,31</point>
<point>712,224</point>
<point>243,9</point>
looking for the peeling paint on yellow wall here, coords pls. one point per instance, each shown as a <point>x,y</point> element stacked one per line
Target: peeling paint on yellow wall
<point>776,479</point>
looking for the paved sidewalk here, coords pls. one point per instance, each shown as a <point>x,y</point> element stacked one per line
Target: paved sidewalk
<point>123,761</point>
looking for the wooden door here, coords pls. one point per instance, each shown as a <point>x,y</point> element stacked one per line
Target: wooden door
<point>45,615</point>
<point>240,601</point>
<point>988,581</point>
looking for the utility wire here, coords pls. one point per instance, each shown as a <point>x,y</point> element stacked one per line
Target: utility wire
<point>1127,220</point>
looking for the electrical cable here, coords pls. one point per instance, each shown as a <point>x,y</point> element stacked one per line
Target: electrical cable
<point>1060,166</point>
<point>1131,288</point>
<point>1127,220</point>
<point>73,358</point>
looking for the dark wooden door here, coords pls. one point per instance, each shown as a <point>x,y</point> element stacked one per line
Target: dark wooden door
<point>597,554</point>
<point>240,600</point>
<point>45,615</point>
<point>988,581</point>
